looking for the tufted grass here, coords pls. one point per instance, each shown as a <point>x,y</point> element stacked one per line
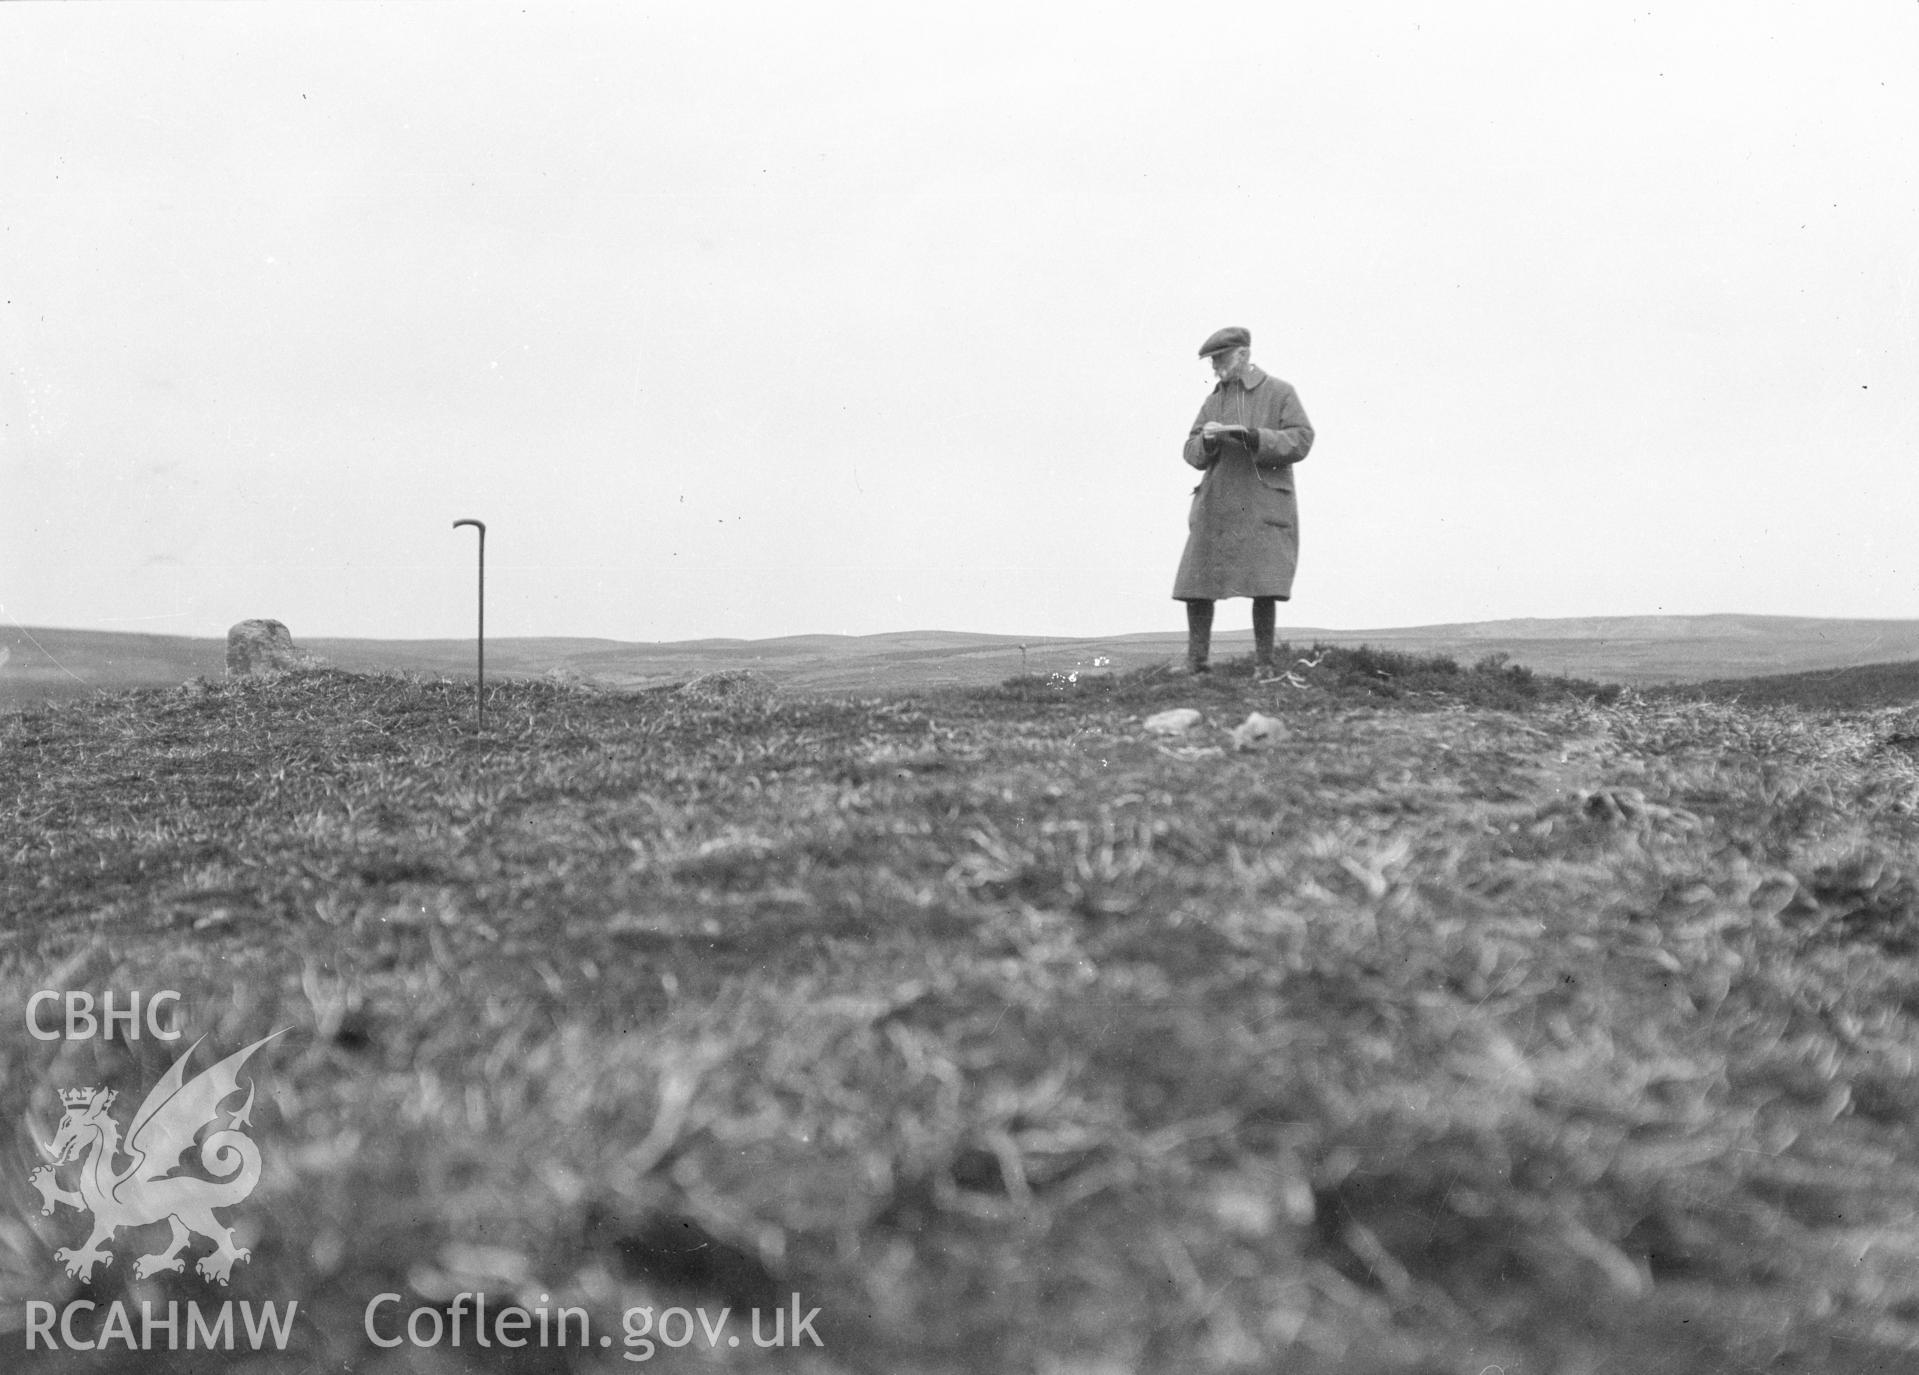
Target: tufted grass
<point>1486,1020</point>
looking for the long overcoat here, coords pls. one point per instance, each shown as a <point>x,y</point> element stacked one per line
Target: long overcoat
<point>1242,535</point>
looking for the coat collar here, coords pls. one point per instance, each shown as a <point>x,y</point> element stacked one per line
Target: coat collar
<point>1249,379</point>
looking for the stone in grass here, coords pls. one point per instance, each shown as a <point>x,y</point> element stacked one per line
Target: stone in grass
<point>1176,721</point>
<point>1257,731</point>
<point>729,685</point>
<point>261,648</point>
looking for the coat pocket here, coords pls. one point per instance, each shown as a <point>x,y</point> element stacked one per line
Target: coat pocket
<point>1277,479</point>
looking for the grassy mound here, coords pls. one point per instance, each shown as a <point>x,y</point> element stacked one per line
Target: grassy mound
<point>1485,1020</point>
<point>1862,687</point>
<point>1323,675</point>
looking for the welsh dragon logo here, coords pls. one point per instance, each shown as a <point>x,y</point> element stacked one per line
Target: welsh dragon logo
<point>145,1190</point>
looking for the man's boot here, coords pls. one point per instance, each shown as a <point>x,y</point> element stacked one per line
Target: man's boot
<point>1199,636</point>
<point>1265,610</point>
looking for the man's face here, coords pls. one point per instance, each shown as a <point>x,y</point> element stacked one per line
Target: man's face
<point>1227,363</point>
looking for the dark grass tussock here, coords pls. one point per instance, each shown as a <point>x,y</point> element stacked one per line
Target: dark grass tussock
<point>1487,1019</point>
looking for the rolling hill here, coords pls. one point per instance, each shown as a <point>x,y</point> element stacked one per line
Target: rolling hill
<point>1637,650</point>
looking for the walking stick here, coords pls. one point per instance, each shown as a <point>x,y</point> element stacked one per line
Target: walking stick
<point>480,692</point>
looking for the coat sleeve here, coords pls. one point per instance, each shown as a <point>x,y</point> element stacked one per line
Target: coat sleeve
<point>1290,435</point>
<point>1200,453</point>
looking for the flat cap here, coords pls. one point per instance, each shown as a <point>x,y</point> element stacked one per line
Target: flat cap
<point>1232,337</point>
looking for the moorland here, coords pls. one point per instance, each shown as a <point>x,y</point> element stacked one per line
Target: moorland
<point>1485,1020</point>
<point>43,663</point>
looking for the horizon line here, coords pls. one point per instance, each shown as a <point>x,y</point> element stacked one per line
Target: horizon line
<point>1016,638</point>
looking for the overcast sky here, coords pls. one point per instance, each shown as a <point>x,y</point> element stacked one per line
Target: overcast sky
<point>753,320</point>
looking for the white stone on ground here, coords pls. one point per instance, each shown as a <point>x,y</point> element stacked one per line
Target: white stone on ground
<point>1177,721</point>
<point>1258,731</point>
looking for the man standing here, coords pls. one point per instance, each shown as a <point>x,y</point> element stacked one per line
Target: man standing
<point>1243,531</point>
